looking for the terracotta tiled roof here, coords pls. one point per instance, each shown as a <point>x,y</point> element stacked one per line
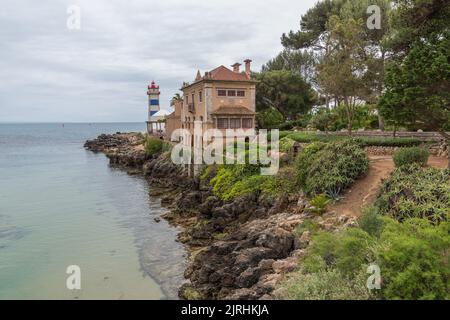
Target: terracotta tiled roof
<point>231,110</point>
<point>225,74</point>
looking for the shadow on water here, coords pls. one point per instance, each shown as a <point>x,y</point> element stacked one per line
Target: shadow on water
<point>10,233</point>
<point>160,255</point>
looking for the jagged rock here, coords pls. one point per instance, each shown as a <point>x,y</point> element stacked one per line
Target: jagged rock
<point>285,265</point>
<point>248,278</point>
<point>120,148</point>
<point>304,239</point>
<point>237,243</point>
<point>299,253</point>
<point>206,207</point>
<point>242,294</point>
<point>244,259</point>
<point>189,200</point>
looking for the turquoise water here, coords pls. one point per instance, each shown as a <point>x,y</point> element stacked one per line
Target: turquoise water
<point>61,205</point>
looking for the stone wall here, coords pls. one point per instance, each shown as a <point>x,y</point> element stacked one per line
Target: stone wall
<point>439,149</point>
<point>424,136</point>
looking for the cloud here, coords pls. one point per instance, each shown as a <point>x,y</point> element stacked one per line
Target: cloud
<point>100,73</point>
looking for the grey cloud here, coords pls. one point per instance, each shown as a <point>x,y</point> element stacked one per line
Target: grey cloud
<point>100,73</point>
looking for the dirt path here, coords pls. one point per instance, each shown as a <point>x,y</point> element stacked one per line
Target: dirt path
<point>365,189</point>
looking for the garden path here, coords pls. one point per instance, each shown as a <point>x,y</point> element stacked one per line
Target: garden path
<point>364,190</point>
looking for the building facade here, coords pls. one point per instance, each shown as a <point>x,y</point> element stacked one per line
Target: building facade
<point>220,99</point>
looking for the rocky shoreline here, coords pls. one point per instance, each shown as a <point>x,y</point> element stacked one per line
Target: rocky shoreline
<point>238,249</point>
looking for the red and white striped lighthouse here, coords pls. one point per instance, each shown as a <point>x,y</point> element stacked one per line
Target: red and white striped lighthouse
<point>153,105</point>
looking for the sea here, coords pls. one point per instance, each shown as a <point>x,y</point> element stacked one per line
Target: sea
<point>73,227</point>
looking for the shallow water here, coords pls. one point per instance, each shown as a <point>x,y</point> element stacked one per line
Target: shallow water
<point>61,205</point>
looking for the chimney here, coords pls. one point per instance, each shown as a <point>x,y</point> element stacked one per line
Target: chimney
<point>247,67</point>
<point>236,67</point>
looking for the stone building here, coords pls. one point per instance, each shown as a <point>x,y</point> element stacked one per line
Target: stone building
<point>220,99</point>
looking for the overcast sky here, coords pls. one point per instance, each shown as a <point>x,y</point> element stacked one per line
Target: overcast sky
<point>100,72</point>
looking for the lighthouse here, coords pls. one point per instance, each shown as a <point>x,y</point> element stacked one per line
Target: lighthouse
<point>153,107</point>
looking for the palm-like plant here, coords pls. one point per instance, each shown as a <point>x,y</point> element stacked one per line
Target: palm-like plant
<point>176,98</point>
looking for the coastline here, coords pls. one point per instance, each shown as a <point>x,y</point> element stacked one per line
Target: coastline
<point>238,249</point>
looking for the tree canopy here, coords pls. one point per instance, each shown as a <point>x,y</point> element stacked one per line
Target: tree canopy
<point>285,91</point>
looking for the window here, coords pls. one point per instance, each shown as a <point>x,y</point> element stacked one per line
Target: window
<point>235,123</point>
<point>241,93</point>
<point>193,97</point>
<point>222,123</point>
<point>187,99</point>
<point>232,93</point>
<point>221,93</point>
<point>247,123</point>
<point>200,97</point>
<point>201,118</point>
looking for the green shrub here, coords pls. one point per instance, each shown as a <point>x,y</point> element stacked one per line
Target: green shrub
<point>223,181</point>
<point>409,156</point>
<point>153,146</point>
<point>142,138</point>
<point>413,257</point>
<point>233,181</point>
<point>307,137</point>
<point>370,221</point>
<point>227,176</point>
<point>348,251</point>
<point>208,172</point>
<point>283,134</point>
<point>414,260</point>
<point>387,141</point>
<point>328,284</point>
<point>319,204</point>
<point>304,160</point>
<point>245,186</point>
<point>353,252</point>
<point>413,192</point>
<point>286,144</point>
<point>330,167</point>
<point>191,294</point>
<point>307,225</point>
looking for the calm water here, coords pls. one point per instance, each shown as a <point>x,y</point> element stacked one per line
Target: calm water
<point>61,205</point>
